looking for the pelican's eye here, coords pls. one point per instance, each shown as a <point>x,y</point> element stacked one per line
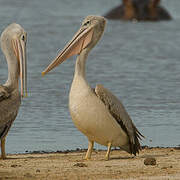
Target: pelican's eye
<point>86,23</point>
<point>23,37</point>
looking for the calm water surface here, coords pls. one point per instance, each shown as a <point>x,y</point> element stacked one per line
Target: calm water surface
<point>140,63</point>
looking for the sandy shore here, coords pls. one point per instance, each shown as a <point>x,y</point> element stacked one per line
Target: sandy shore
<point>71,165</point>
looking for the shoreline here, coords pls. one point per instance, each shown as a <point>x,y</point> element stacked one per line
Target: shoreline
<point>70,164</point>
<point>78,150</point>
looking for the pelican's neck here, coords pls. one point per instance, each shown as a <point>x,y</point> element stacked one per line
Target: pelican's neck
<point>80,67</point>
<point>79,84</point>
<point>13,71</point>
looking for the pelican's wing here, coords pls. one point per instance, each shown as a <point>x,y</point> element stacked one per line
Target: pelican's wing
<point>3,93</point>
<point>118,111</point>
<point>9,105</point>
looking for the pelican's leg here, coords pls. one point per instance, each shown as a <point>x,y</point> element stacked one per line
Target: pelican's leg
<point>3,153</point>
<point>108,151</point>
<point>89,151</point>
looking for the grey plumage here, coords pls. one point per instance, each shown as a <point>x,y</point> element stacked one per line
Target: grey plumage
<point>13,45</point>
<point>10,101</point>
<point>119,113</point>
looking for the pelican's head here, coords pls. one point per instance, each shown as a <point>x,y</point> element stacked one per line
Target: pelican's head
<point>96,24</point>
<point>86,38</point>
<point>13,44</point>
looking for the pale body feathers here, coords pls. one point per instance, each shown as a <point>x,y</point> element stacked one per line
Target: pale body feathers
<point>91,117</point>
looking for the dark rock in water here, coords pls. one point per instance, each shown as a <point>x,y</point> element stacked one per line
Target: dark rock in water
<point>150,161</point>
<point>139,10</point>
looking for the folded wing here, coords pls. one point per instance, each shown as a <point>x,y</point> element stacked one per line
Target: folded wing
<point>119,113</point>
<point>9,106</point>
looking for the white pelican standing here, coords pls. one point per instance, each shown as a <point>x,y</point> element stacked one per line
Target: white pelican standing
<point>98,114</point>
<point>13,44</point>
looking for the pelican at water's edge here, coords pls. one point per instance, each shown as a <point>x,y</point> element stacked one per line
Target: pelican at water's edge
<point>13,45</point>
<point>97,113</point>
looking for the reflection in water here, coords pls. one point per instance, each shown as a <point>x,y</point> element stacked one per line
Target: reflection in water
<point>137,62</point>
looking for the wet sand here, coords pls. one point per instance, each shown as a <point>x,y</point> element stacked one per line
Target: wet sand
<point>71,165</point>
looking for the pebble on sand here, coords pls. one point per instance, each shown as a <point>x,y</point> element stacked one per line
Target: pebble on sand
<point>150,161</point>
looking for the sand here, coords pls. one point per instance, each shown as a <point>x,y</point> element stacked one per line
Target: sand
<point>71,165</point>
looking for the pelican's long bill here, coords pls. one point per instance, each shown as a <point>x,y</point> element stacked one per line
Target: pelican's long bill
<point>20,52</point>
<point>80,41</point>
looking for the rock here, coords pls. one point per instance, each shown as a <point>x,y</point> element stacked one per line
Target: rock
<point>108,166</point>
<point>138,10</point>
<point>14,165</point>
<point>150,161</point>
<point>28,175</point>
<point>166,167</point>
<point>80,165</point>
<point>38,170</point>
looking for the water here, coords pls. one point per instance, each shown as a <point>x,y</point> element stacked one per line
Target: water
<point>139,63</point>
